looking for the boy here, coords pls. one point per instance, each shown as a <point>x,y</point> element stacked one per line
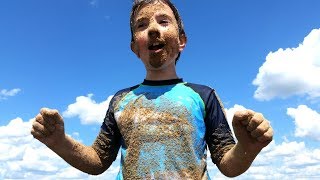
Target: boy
<point>162,125</point>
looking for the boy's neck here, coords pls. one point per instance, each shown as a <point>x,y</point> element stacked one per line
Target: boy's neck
<point>157,75</point>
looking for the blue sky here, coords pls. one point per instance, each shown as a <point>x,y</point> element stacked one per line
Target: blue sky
<point>74,55</point>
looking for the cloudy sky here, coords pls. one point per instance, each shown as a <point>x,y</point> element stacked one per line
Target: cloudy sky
<point>73,55</point>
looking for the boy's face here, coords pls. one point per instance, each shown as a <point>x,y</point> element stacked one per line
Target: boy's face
<point>156,36</point>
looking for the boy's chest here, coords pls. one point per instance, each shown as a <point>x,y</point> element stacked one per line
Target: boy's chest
<point>154,119</point>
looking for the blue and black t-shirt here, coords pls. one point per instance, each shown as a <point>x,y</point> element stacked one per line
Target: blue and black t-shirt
<point>163,129</point>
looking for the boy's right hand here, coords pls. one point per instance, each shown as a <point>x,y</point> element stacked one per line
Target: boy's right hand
<point>48,127</point>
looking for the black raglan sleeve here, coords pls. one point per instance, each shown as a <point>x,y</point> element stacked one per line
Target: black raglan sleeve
<point>107,143</point>
<point>218,134</point>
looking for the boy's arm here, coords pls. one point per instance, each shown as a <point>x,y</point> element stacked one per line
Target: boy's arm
<point>253,133</point>
<point>48,128</point>
<point>82,157</point>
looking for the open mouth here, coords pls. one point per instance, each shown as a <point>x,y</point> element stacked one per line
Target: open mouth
<point>156,46</point>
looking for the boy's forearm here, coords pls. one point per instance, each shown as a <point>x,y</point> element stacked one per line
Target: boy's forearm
<point>236,161</point>
<point>82,157</point>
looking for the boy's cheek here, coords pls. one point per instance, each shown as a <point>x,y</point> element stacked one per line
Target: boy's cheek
<point>141,41</point>
<point>138,34</point>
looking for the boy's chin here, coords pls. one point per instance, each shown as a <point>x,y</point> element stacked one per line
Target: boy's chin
<point>157,61</point>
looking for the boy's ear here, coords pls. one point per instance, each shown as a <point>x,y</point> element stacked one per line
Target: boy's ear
<point>183,42</point>
<point>134,48</point>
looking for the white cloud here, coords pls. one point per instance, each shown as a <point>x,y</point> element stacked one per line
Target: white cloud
<point>298,160</point>
<point>283,161</point>
<point>291,71</point>
<point>286,149</point>
<point>89,111</point>
<point>23,157</point>
<point>4,93</point>
<point>307,122</point>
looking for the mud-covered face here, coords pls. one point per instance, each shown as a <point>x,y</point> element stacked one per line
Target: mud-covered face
<point>156,36</point>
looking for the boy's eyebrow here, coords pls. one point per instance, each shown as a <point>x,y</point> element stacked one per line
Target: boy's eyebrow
<point>165,15</point>
<point>159,15</point>
<point>140,19</point>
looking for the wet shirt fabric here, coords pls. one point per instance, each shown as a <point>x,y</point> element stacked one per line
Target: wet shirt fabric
<point>164,129</point>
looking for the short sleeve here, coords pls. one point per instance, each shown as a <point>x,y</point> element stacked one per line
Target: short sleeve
<point>107,143</point>
<point>218,134</point>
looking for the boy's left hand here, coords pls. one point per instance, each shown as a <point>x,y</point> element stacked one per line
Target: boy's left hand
<point>252,130</point>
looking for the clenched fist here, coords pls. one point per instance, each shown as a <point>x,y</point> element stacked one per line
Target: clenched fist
<point>252,130</point>
<point>48,127</point>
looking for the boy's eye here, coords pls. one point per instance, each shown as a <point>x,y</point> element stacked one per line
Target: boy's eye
<point>164,22</point>
<point>140,25</point>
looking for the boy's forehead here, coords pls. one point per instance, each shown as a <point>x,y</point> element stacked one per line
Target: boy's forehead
<point>148,10</point>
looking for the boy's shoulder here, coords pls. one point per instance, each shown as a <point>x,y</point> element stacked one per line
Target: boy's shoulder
<point>200,88</point>
<point>126,90</point>
<point>120,94</point>
<point>206,93</point>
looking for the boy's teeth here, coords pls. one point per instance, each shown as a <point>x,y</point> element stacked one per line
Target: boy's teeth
<point>155,46</point>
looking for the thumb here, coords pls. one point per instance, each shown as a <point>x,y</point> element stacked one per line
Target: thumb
<point>242,117</point>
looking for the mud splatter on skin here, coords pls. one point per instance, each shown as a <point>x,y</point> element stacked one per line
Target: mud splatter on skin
<point>167,34</point>
<point>103,146</point>
<point>152,130</point>
<point>221,142</point>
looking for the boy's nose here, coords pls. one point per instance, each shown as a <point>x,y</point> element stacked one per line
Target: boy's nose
<point>153,32</point>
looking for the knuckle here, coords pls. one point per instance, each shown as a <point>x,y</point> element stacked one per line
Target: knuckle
<point>258,131</point>
<point>253,124</point>
<point>259,114</point>
<point>43,110</point>
<point>237,114</point>
<point>35,124</point>
<point>261,129</point>
<point>254,121</point>
<point>267,125</point>
<point>241,115</point>
<point>267,136</point>
<point>38,116</point>
<point>270,132</point>
<point>35,133</point>
<point>249,112</point>
<point>39,119</point>
<point>255,133</point>
<point>54,112</point>
<point>257,120</point>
